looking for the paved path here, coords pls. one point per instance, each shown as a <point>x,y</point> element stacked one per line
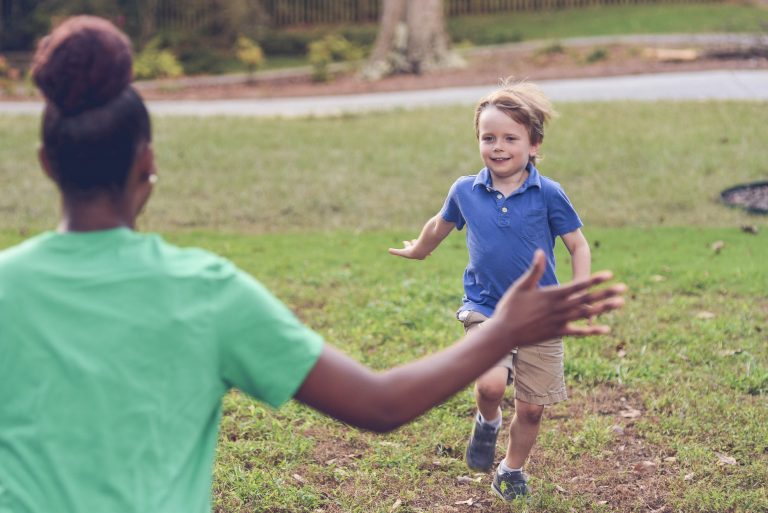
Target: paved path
<point>703,85</point>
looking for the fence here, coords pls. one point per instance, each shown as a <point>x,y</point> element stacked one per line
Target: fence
<point>284,13</point>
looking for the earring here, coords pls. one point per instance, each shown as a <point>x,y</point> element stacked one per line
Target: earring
<point>153,179</point>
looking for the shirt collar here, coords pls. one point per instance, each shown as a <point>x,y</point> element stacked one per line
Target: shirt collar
<point>483,179</point>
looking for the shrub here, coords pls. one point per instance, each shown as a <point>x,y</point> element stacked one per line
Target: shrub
<point>249,53</point>
<point>332,48</point>
<point>597,54</point>
<point>154,62</point>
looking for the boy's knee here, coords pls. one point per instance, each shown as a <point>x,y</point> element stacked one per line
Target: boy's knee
<point>529,413</point>
<point>489,391</point>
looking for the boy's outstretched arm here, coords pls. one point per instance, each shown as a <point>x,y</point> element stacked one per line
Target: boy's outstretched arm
<point>431,236</point>
<point>380,401</point>
<point>581,256</point>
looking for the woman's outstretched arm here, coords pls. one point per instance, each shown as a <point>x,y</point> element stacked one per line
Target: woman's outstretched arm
<point>381,401</point>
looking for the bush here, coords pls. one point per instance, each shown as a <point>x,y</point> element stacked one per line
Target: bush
<point>153,62</point>
<point>332,48</point>
<point>296,42</point>
<point>249,53</point>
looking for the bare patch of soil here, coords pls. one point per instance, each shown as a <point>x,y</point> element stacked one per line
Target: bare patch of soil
<point>483,67</point>
<point>630,474</point>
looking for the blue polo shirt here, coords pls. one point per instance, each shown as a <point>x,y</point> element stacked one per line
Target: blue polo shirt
<point>504,232</point>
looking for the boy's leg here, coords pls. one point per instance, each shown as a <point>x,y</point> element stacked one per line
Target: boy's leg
<point>539,381</point>
<point>523,431</point>
<point>489,391</point>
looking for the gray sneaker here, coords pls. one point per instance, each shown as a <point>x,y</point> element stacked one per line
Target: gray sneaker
<point>482,446</point>
<point>510,485</point>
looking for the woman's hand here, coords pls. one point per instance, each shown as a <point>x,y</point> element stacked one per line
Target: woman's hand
<point>531,314</point>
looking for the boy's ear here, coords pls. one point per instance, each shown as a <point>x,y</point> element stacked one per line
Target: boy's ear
<point>45,163</point>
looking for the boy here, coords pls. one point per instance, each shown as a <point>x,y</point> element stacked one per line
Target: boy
<point>510,211</point>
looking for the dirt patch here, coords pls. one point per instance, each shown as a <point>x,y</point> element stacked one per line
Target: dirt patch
<point>483,67</point>
<point>629,473</point>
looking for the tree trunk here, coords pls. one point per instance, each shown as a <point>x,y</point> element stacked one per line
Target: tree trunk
<point>412,38</point>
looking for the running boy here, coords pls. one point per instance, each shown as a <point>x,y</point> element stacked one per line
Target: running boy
<point>510,210</point>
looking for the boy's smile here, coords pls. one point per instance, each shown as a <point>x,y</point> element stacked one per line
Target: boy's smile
<point>505,148</point>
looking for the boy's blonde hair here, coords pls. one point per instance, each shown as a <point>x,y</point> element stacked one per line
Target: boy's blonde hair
<point>522,101</point>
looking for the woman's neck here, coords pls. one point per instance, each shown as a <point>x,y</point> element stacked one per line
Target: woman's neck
<point>94,213</point>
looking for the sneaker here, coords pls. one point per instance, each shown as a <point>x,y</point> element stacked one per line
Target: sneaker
<point>482,446</point>
<point>510,485</point>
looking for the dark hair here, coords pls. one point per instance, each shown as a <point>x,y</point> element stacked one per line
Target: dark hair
<point>94,121</point>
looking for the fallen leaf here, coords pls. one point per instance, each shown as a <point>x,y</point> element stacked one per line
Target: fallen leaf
<point>560,489</point>
<point>299,478</point>
<point>729,352</point>
<point>644,468</point>
<point>468,502</point>
<point>657,278</point>
<point>617,429</point>
<point>717,246</point>
<point>688,477</point>
<point>396,505</point>
<point>724,459</point>
<point>602,503</point>
<point>465,479</point>
<point>705,315</point>
<point>630,413</point>
<point>670,459</point>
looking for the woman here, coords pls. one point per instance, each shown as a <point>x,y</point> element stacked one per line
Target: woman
<point>117,346</point>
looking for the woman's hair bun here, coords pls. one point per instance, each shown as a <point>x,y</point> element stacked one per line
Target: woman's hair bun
<point>84,63</point>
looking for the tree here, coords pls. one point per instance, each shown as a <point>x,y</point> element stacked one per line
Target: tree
<point>412,38</point>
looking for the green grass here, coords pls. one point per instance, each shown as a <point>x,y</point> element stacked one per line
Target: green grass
<point>684,372</point>
<point>609,20</point>
<point>310,207</point>
<point>622,164</point>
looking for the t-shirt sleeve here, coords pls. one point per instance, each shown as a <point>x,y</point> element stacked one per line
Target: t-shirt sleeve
<point>451,211</point>
<point>562,216</point>
<point>264,350</point>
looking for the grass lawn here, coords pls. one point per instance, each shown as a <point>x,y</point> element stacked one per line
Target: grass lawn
<point>310,206</point>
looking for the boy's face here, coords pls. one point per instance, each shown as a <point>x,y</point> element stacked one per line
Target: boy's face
<point>505,145</point>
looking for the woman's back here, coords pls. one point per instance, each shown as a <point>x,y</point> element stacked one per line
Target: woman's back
<point>122,346</point>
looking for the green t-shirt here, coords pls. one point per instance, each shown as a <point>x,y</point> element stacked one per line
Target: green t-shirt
<point>115,350</point>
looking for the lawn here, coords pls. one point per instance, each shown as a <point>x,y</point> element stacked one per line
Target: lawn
<point>310,206</point>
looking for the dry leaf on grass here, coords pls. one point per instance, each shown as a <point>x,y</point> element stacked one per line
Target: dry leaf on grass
<point>467,502</point>
<point>300,479</point>
<point>717,246</point>
<point>705,315</point>
<point>396,505</point>
<point>724,459</point>
<point>630,413</point>
<point>644,468</point>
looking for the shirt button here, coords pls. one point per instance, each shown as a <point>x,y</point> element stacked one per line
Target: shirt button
<point>499,196</point>
<point>504,209</point>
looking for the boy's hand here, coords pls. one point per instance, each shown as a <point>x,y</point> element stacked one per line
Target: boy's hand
<point>408,251</point>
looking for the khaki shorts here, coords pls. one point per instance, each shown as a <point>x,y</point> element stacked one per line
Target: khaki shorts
<point>536,370</point>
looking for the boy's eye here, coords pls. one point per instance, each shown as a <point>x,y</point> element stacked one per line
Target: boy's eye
<point>510,139</point>
<point>487,138</point>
